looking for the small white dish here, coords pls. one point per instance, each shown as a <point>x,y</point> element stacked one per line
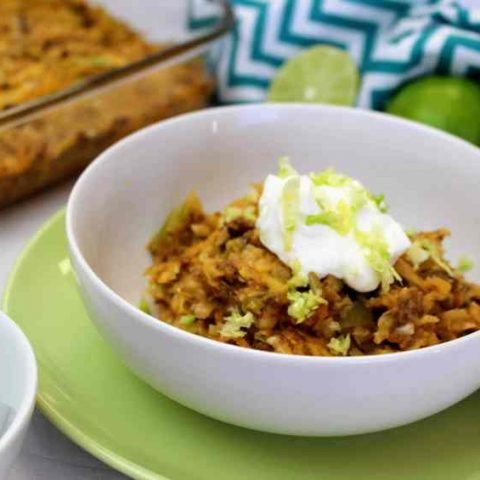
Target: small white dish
<point>430,180</point>
<point>18,387</point>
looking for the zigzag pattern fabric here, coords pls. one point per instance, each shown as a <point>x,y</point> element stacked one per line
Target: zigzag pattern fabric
<point>392,42</point>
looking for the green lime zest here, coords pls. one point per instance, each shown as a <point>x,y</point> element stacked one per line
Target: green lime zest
<point>379,201</point>
<point>330,178</point>
<point>340,345</point>
<point>290,209</point>
<point>375,248</point>
<point>187,319</point>
<point>303,304</point>
<point>235,323</point>
<point>465,264</point>
<point>360,197</point>
<point>285,169</point>
<point>342,219</point>
<point>320,74</point>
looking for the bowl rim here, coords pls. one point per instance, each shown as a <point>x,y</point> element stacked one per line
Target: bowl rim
<point>23,413</point>
<point>157,324</point>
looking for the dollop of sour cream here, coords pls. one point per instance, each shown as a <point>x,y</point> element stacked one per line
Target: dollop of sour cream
<point>329,224</point>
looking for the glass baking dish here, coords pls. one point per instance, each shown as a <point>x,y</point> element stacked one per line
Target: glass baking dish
<point>48,139</point>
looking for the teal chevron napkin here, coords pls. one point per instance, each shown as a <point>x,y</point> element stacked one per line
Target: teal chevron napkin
<point>392,42</point>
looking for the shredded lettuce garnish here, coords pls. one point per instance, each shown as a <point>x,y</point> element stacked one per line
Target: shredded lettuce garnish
<point>187,319</point>
<point>465,264</point>
<point>417,255</point>
<point>290,209</point>
<point>434,254</point>
<point>235,322</point>
<point>297,280</point>
<point>232,213</point>
<point>422,249</point>
<point>302,304</point>
<point>340,345</point>
<point>285,169</point>
<point>375,249</point>
<point>144,306</point>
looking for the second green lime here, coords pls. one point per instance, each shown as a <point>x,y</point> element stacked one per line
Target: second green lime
<point>449,103</point>
<point>320,74</point>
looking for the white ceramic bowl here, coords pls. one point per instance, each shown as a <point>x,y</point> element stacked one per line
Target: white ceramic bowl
<point>431,179</point>
<point>18,387</point>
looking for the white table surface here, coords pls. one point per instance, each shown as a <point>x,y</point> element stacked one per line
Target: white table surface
<point>47,453</point>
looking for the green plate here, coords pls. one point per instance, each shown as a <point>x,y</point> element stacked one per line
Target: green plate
<point>87,392</point>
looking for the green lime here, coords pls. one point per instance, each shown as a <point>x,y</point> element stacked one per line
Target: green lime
<point>449,103</point>
<point>321,74</point>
